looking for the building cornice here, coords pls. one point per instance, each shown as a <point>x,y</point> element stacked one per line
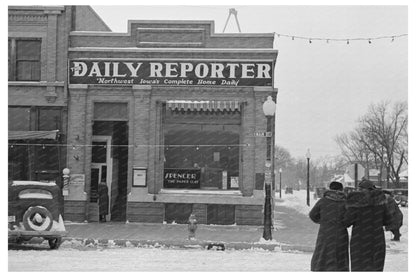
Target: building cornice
<point>174,50</point>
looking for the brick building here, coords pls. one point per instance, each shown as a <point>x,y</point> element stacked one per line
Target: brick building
<point>165,116</point>
<point>37,87</point>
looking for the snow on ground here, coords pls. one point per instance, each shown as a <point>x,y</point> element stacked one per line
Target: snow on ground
<point>296,201</point>
<point>153,259</point>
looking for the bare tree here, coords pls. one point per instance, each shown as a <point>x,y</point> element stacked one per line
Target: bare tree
<point>283,157</point>
<point>389,130</point>
<point>380,139</point>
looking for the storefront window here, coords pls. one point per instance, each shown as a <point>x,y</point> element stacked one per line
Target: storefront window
<point>34,158</point>
<point>18,162</point>
<point>49,119</point>
<point>19,118</point>
<point>202,149</point>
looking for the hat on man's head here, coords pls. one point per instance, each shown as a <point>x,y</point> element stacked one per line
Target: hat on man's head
<point>335,186</point>
<point>366,184</point>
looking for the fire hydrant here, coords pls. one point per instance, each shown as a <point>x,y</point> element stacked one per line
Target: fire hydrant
<point>192,226</point>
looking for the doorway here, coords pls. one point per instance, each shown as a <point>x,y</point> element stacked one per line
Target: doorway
<point>109,164</point>
<point>101,168</point>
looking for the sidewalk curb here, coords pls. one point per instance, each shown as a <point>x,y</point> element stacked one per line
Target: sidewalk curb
<point>186,244</point>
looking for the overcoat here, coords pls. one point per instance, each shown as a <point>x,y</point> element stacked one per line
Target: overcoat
<point>331,249</point>
<point>397,221</point>
<point>103,199</point>
<point>367,212</point>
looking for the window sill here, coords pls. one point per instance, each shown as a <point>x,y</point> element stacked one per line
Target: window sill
<point>36,84</point>
<point>201,192</point>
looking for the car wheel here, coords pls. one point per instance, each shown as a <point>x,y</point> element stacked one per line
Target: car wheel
<point>55,243</point>
<point>37,219</point>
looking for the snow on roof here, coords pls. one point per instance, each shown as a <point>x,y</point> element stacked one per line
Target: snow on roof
<point>36,183</point>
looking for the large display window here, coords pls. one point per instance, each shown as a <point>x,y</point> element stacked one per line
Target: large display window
<point>202,149</point>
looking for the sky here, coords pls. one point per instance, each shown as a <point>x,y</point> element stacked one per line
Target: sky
<point>323,88</point>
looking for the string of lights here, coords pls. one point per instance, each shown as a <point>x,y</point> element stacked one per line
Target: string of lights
<point>392,38</point>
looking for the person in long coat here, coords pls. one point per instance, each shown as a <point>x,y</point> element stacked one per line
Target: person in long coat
<point>397,222</point>
<point>331,249</point>
<point>367,212</point>
<point>102,201</point>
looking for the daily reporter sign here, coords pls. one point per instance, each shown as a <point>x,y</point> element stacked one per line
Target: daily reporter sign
<point>171,73</point>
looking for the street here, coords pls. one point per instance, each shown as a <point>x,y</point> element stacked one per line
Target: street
<point>142,259</point>
<point>70,257</point>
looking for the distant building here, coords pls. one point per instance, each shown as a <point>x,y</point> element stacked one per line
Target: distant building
<point>345,179</point>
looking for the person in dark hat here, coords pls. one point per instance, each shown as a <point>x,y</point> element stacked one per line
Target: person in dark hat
<point>367,212</point>
<point>331,249</point>
<point>397,222</point>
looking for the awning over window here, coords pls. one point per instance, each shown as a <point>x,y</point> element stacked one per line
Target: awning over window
<point>212,105</point>
<point>30,135</point>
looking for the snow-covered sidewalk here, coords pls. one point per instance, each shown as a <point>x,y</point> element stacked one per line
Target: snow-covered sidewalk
<point>142,259</point>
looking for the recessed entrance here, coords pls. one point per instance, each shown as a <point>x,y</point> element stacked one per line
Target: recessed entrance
<point>109,165</point>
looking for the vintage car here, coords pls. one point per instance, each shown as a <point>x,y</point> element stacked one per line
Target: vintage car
<point>35,211</point>
<point>288,190</point>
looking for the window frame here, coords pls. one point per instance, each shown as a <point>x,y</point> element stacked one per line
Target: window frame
<point>223,125</point>
<point>13,59</point>
<point>33,151</point>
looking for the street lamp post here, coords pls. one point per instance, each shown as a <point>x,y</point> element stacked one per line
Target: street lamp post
<point>280,183</point>
<point>269,108</point>
<point>308,157</point>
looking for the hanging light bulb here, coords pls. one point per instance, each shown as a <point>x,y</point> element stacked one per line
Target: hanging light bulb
<point>348,41</point>
<point>392,38</point>
<point>12,146</point>
<point>73,146</point>
<point>310,41</point>
<point>197,148</point>
<point>293,38</point>
<point>369,41</point>
<point>327,41</point>
<point>43,146</point>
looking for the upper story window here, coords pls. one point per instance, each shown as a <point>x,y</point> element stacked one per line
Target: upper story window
<point>24,59</point>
